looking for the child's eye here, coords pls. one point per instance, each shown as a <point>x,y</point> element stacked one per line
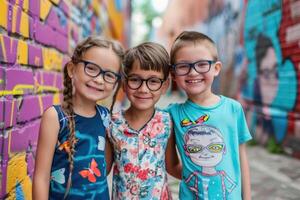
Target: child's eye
<point>134,79</point>
<point>92,67</point>
<point>154,81</point>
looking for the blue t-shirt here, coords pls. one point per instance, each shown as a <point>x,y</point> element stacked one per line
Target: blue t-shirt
<point>89,179</point>
<point>208,140</point>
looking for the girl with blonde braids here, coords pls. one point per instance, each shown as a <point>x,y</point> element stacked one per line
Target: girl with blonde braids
<point>70,162</point>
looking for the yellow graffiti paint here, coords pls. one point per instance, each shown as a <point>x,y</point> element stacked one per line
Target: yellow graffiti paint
<point>17,173</point>
<point>52,59</point>
<point>96,6</point>
<point>3,48</point>
<point>22,52</point>
<point>45,7</point>
<point>116,19</point>
<point>3,14</point>
<point>17,90</point>
<point>56,98</point>
<point>47,88</point>
<point>40,98</point>
<point>24,25</point>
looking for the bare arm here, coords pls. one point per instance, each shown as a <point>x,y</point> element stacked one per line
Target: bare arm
<point>108,155</point>
<point>246,183</point>
<point>173,164</point>
<point>45,150</point>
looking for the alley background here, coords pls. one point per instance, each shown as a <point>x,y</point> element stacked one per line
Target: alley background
<point>258,42</point>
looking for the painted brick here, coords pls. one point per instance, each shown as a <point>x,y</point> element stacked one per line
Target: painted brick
<point>19,80</point>
<point>29,109</point>
<point>47,101</point>
<point>22,139</point>
<point>44,34</point>
<point>2,78</point>
<point>58,21</point>
<point>9,107</point>
<point>34,8</point>
<point>8,51</point>
<point>35,56</point>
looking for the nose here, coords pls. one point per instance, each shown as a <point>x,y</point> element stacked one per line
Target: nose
<point>143,87</point>
<point>99,79</point>
<point>193,71</point>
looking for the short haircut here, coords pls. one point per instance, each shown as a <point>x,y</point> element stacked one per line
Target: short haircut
<point>187,38</point>
<point>150,56</point>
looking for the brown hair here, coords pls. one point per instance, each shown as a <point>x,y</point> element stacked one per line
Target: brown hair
<point>192,38</point>
<point>67,106</point>
<point>150,55</point>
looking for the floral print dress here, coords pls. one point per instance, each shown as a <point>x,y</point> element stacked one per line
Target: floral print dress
<point>139,155</point>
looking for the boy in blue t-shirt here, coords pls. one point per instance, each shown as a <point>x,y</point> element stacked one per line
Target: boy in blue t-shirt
<point>211,130</point>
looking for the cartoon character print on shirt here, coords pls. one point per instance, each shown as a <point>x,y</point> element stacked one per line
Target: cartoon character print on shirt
<point>205,147</point>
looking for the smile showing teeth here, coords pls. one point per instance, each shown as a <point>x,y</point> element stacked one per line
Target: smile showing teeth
<point>94,88</point>
<point>193,81</point>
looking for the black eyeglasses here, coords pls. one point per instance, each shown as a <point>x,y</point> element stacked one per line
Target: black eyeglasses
<point>135,82</point>
<point>94,70</point>
<point>200,66</point>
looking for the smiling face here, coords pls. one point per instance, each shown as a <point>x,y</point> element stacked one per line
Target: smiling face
<point>196,84</point>
<point>143,98</point>
<point>86,87</point>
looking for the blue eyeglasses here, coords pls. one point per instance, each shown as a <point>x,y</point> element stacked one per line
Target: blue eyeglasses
<point>200,66</point>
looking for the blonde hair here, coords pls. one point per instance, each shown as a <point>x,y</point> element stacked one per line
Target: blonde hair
<point>192,38</point>
<point>67,106</point>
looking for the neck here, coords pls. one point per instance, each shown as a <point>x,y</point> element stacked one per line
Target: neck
<point>138,118</point>
<point>207,99</point>
<point>83,108</point>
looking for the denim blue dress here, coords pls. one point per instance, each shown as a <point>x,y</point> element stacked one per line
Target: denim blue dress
<point>89,173</point>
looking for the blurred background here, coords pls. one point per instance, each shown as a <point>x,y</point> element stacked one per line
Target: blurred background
<point>38,36</point>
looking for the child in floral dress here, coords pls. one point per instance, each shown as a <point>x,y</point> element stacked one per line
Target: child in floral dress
<point>141,136</point>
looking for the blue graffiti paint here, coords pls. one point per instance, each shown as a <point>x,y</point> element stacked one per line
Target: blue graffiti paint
<point>263,18</point>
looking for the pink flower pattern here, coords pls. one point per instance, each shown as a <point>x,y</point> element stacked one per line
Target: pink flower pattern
<point>139,156</point>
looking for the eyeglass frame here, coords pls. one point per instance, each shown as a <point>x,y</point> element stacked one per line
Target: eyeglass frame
<point>144,80</point>
<point>192,65</point>
<point>103,72</point>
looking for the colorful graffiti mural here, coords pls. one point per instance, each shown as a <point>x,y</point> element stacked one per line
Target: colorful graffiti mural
<point>36,39</point>
<point>271,89</point>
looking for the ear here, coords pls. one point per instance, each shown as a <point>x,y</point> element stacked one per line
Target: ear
<point>166,85</point>
<point>218,67</point>
<point>70,68</point>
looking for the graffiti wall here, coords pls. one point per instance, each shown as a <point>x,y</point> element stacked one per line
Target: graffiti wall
<point>36,40</point>
<point>271,87</point>
<point>259,46</point>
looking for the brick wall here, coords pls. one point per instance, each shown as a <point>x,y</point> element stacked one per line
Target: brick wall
<point>36,39</point>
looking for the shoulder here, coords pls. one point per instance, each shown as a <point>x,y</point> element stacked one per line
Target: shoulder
<point>234,104</point>
<point>173,107</point>
<point>51,113</point>
<point>50,118</point>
